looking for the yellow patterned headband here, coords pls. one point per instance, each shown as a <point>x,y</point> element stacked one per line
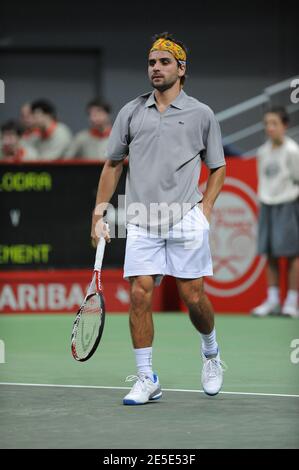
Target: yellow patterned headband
<point>170,46</point>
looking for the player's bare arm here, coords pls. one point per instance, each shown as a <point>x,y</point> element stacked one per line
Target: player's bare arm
<point>109,179</point>
<point>214,185</point>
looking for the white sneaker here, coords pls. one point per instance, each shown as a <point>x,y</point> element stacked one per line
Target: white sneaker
<point>144,390</point>
<point>290,310</point>
<point>266,308</point>
<point>212,374</point>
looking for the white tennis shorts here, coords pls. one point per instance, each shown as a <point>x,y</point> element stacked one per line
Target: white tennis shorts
<point>184,252</point>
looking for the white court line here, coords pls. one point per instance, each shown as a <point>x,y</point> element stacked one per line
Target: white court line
<point>163,389</point>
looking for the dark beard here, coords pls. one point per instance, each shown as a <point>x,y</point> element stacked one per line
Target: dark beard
<point>163,86</point>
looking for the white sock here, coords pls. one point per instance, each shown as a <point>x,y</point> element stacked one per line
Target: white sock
<point>273,294</point>
<point>209,344</point>
<point>292,297</point>
<point>144,361</point>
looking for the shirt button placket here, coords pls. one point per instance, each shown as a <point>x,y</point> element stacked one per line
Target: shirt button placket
<point>159,126</point>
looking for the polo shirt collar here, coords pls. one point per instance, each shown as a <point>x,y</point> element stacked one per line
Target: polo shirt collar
<point>179,102</point>
<point>151,100</point>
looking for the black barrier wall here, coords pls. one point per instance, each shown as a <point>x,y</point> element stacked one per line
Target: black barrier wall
<point>45,216</point>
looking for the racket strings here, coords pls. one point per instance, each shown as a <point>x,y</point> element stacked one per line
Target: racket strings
<point>89,324</point>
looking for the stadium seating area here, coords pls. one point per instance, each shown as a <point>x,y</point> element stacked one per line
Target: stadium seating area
<point>37,134</point>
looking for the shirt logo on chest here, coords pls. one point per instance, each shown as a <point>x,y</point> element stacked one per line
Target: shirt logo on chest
<point>271,170</point>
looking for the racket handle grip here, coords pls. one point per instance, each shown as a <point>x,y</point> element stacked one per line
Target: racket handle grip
<point>99,254</point>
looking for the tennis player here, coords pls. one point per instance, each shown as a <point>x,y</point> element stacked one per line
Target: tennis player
<point>166,134</point>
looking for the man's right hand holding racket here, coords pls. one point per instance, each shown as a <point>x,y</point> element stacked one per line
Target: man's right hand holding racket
<point>90,319</point>
<point>99,229</point>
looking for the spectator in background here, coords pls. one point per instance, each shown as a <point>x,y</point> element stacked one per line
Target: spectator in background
<point>55,137</point>
<point>278,191</point>
<point>30,133</point>
<point>92,143</point>
<point>12,148</point>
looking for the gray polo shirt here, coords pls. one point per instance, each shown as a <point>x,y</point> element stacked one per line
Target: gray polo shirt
<point>165,153</point>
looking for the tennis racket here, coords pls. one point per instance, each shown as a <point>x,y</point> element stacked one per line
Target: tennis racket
<point>89,323</point>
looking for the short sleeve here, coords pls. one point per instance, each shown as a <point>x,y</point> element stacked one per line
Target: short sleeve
<point>118,144</point>
<point>213,155</point>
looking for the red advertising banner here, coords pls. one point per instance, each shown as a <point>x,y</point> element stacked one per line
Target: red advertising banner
<point>62,291</point>
<point>239,281</point>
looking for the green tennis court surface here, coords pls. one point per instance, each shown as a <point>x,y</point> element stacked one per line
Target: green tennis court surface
<point>262,411</point>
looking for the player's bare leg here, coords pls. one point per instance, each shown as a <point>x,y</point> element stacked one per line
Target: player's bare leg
<point>146,387</point>
<point>141,318</point>
<point>200,309</point>
<point>202,316</point>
